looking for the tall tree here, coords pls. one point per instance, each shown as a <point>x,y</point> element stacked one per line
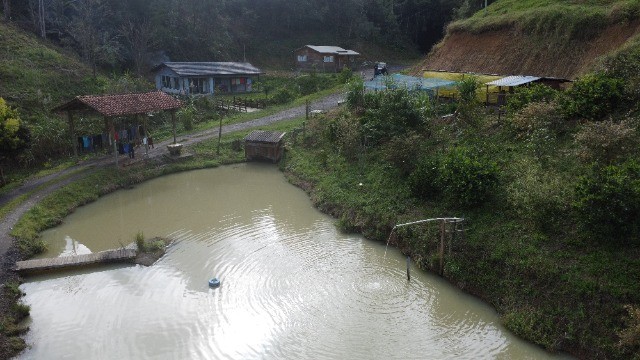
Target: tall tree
<point>90,29</point>
<point>141,39</point>
<point>6,5</point>
<point>41,19</point>
<point>14,136</point>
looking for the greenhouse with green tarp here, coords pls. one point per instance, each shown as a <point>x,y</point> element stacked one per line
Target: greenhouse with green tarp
<point>431,85</point>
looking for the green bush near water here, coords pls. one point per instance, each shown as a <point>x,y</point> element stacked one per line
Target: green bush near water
<point>608,201</point>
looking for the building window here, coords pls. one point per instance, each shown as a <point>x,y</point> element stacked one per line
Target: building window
<point>166,81</point>
<point>175,83</point>
<point>302,58</point>
<point>198,86</point>
<point>328,59</point>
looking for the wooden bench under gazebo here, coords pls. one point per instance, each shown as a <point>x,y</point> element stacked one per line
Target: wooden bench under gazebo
<point>121,105</point>
<point>264,145</point>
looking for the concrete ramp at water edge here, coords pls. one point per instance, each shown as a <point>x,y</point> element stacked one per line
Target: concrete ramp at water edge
<point>122,255</point>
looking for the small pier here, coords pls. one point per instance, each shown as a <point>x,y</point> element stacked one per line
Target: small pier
<point>76,261</point>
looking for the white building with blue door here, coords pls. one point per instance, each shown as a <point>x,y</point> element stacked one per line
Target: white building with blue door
<point>193,78</point>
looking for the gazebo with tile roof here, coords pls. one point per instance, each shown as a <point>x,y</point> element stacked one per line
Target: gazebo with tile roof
<point>111,106</point>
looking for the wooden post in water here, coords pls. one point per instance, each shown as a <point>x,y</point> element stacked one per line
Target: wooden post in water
<point>408,269</point>
<point>441,250</point>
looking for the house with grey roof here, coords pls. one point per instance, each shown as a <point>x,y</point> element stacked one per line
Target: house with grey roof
<point>208,78</point>
<point>324,58</point>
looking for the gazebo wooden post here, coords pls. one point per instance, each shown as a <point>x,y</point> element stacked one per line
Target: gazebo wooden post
<point>106,131</point>
<point>173,121</point>
<point>115,143</point>
<point>72,133</point>
<point>146,134</point>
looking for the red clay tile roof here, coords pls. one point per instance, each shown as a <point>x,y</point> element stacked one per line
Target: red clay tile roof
<point>124,104</point>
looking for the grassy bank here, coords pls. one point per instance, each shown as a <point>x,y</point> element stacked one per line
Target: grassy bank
<point>530,248</point>
<point>563,20</point>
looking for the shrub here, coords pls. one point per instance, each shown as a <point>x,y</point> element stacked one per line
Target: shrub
<point>186,115</point>
<point>630,335</point>
<point>424,180</point>
<point>608,201</point>
<point>355,94</point>
<point>403,151</point>
<point>21,310</point>
<point>606,141</point>
<point>625,64</point>
<point>140,241</point>
<point>460,176</point>
<point>345,75</point>
<point>538,194</point>
<point>468,104</point>
<point>593,97</point>
<point>535,117</point>
<point>282,96</point>
<point>539,125</point>
<point>525,95</point>
<point>466,179</point>
<point>390,113</point>
<point>308,84</point>
<point>344,133</point>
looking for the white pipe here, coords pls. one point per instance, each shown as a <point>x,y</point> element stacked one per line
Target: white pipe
<point>452,219</point>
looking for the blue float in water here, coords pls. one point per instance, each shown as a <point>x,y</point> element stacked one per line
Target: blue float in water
<point>214,283</point>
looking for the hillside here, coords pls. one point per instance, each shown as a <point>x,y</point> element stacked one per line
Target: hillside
<point>34,75</point>
<point>544,38</point>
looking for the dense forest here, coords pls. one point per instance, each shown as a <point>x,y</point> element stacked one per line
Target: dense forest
<point>130,34</point>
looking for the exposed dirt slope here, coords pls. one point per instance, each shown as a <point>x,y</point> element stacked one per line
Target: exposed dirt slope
<point>506,52</point>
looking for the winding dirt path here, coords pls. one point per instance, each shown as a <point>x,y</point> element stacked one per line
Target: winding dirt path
<point>50,183</point>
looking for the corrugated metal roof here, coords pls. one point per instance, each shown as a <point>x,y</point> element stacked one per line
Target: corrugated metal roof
<point>514,80</point>
<point>265,136</point>
<point>123,104</point>
<point>335,50</point>
<point>410,82</point>
<point>211,68</point>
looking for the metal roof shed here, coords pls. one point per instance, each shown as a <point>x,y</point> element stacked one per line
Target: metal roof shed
<point>266,145</point>
<point>511,81</point>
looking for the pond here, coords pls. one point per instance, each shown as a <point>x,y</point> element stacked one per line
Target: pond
<point>293,286</point>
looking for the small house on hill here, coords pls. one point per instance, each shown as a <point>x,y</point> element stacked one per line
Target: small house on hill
<point>324,58</point>
<point>192,78</point>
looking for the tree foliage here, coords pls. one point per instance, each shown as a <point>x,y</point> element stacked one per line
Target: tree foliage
<point>390,113</point>
<point>608,201</point>
<point>593,96</point>
<point>460,176</point>
<point>14,135</point>
<point>525,95</point>
<point>127,33</point>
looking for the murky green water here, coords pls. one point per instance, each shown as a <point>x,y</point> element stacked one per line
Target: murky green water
<point>293,287</point>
